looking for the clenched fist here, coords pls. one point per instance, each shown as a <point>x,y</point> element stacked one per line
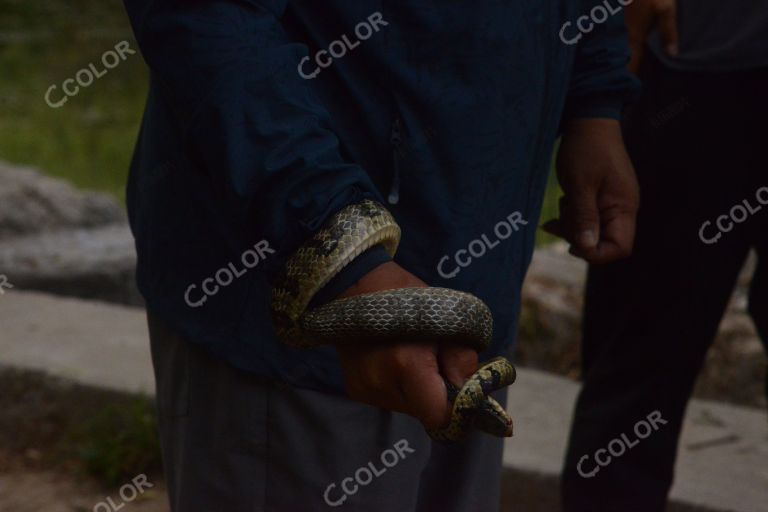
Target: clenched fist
<point>599,208</point>
<point>641,17</point>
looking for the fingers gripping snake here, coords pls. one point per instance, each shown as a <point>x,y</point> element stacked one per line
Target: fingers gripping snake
<point>390,316</point>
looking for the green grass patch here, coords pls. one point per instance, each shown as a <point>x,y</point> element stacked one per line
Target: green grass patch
<point>89,140</point>
<point>118,442</point>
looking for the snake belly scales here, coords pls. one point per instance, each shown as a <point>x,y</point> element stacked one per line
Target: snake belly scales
<point>390,316</point>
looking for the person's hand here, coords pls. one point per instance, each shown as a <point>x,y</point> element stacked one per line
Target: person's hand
<point>404,377</point>
<point>598,210</point>
<point>642,16</point>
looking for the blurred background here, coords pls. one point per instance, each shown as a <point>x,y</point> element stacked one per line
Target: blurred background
<point>77,424</point>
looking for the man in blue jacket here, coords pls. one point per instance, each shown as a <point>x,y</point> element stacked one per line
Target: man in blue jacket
<point>265,117</point>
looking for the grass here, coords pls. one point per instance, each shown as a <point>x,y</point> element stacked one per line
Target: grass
<point>89,140</point>
<point>117,443</point>
<point>549,209</point>
<point>47,422</point>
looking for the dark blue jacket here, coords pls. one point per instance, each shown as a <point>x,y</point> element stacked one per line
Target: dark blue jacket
<point>445,110</point>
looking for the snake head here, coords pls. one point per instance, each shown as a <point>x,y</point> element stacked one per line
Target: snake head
<point>493,419</point>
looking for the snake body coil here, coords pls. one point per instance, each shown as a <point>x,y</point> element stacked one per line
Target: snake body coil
<point>424,314</point>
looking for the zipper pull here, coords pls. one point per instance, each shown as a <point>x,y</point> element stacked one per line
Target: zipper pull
<point>395,138</point>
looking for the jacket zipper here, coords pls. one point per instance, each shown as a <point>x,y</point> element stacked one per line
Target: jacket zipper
<point>396,140</point>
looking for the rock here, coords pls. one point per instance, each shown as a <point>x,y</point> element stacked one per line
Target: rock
<point>61,240</point>
<point>97,263</point>
<point>33,203</point>
<point>550,318</point>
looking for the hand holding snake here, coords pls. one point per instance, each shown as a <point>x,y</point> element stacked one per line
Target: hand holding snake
<point>369,329</point>
<point>406,376</point>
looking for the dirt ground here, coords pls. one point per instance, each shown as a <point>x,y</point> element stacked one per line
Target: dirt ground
<point>48,491</point>
<point>38,471</point>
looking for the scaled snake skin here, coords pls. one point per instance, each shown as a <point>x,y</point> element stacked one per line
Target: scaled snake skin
<point>391,316</point>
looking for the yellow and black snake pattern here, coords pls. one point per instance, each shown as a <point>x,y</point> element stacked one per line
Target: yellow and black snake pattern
<point>428,314</point>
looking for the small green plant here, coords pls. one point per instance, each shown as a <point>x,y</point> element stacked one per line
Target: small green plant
<point>119,441</point>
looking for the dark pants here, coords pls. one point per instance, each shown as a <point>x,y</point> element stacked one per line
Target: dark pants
<point>234,443</point>
<point>698,143</point>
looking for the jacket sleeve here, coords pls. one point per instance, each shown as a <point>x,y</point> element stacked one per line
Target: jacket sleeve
<point>600,83</point>
<point>228,72</point>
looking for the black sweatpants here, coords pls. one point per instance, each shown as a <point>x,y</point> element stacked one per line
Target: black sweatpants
<point>698,143</point>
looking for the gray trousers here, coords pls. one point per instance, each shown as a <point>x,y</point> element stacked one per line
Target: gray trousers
<point>234,443</point>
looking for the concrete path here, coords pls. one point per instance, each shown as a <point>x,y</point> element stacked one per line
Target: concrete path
<point>723,462</point>
<point>723,457</point>
<point>93,343</point>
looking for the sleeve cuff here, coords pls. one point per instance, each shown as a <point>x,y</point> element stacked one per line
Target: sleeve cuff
<point>607,108</point>
<point>294,230</point>
<point>351,274</point>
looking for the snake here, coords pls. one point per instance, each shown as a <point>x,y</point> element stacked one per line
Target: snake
<point>429,314</point>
